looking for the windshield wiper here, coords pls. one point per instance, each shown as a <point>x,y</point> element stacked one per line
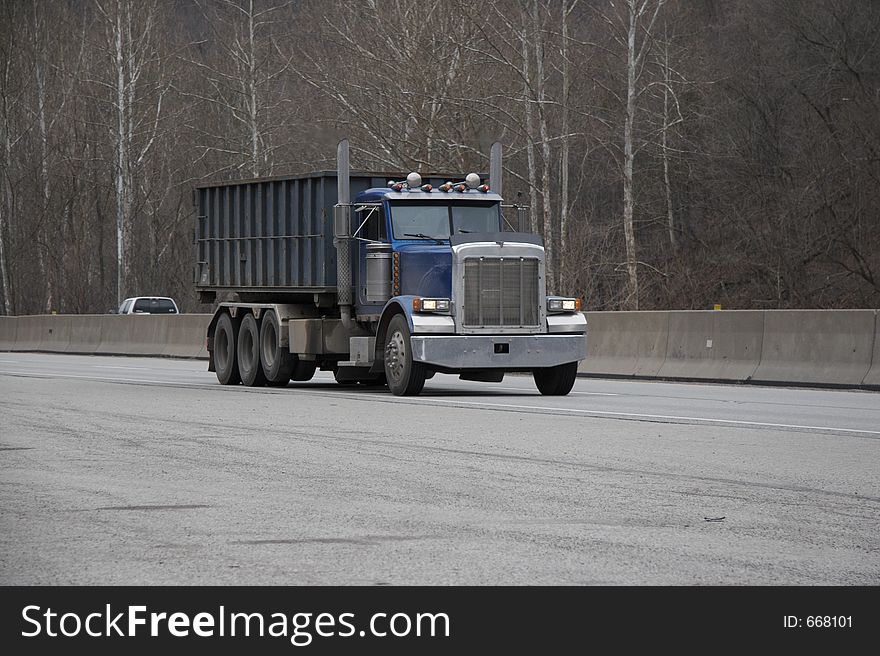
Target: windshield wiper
<point>422,235</point>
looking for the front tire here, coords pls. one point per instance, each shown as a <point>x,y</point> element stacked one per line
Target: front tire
<point>556,381</point>
<point>225,357</point>
<point>249,353</point>
<point>405,376</point>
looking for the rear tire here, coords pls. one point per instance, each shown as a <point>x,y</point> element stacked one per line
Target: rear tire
<point>225,351</point>
<point>277,362</point>
<point>405,376</point>
<point>249,352</point>
<point>556,381</point>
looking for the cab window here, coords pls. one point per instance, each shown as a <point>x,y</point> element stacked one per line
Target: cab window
<point>420,220</point>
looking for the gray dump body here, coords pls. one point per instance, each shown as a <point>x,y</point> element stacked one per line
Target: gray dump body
<point>273,235</point>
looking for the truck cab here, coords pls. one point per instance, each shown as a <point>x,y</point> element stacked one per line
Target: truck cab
<point>455,290</point>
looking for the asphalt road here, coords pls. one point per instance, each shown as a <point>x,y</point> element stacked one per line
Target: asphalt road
<point>147,471</point>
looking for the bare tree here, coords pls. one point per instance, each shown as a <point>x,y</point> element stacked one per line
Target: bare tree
<point>132,76</point>
<point>400,78</point>
<point>12,90</point>
<point>564,165</point>
<point>743,137</point>
<point>632,23</point>
<point>242,77</point>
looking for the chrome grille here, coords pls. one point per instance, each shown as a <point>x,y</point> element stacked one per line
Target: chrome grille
<point>500,291</point>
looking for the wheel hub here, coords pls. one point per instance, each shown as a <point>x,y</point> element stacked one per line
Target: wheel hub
<point>395,355</point>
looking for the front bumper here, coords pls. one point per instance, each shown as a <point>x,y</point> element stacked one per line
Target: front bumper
<point>498,351</point>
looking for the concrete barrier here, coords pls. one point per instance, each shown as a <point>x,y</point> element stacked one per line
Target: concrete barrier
<point>7,333</point>
<point>625,343</point>
<point>872,378</point>
<point>132,335</point>
<point>181,336</point>
<point>115,335</point>
<point>85,333</point>
<point>827,347</point>
<point>713,345</point>
<point>29,332</point>
<point>149,334</point>
<point>185,336</point>
<point>55,333</point>
<point>822,347</point>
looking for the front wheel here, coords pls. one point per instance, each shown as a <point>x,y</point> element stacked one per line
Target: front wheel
<point>556,381</point>
<point>405,376</point>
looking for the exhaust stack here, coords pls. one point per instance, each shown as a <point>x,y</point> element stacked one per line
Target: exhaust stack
<point>342,234</point>
<point>495,168</point>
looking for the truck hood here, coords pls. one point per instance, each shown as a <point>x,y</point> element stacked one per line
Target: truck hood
<point>426,270</point>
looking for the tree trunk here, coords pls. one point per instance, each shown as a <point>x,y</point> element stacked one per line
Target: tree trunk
<point>121,169</point>
<point>564,168</point>
<point>530,143</point>
<point>631,301</point>
<point>546,208</point>
<point>5,214</point>
<point>6,208</point>
<point>252,95</point>
<point>670,218</point>
<point>45,235</point>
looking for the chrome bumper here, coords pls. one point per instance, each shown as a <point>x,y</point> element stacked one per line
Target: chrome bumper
<point>498,351</point>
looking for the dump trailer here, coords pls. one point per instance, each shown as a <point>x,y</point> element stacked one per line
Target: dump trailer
<point>380,278</point>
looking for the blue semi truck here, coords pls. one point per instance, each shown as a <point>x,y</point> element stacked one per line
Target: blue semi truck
<point>381,279</point>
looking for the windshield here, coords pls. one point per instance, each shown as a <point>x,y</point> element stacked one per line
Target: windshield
<point>420,220</point>
<point>155,306</point>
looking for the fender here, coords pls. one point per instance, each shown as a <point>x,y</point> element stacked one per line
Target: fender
<point>396,305</point>
<point>418,324</point>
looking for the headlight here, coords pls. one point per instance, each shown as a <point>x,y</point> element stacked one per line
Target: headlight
<point>431,305</point>
<point>557,304</point>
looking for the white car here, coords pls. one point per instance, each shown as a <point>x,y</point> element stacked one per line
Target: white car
<point>148,305</point>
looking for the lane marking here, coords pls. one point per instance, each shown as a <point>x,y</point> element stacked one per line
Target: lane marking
<point>532,389</point>
<point>485,404</point>
<point>110,366</point>
<point>166,383</point>
<point>604,413</point>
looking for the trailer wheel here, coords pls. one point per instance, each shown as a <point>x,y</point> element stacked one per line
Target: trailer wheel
<point>249,353</point>
<point>405,376</point>
<point>277,362</point>
<point>225,357</point>
<point>556,381</point>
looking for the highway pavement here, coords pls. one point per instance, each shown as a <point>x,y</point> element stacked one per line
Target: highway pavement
<point>147,471</point>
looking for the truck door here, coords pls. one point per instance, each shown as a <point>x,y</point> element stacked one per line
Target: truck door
<point>370,228</point>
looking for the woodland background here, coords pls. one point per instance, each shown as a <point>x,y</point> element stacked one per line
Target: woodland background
<point>675,154</point>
